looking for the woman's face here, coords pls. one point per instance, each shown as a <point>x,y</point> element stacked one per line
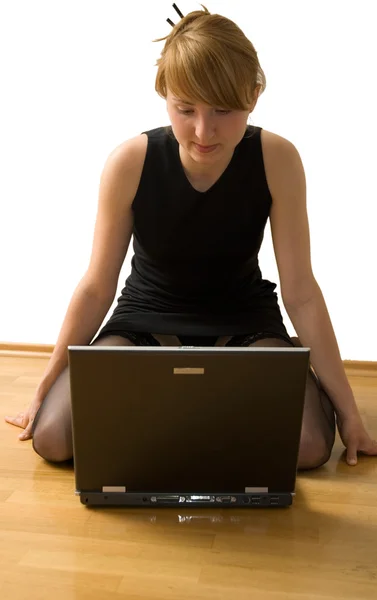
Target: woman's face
<point>205,132</point>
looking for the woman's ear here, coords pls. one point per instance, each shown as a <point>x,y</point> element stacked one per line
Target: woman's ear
<point>255,97</point>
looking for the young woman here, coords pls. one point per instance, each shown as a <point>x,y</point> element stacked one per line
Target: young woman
<point>196,195</point>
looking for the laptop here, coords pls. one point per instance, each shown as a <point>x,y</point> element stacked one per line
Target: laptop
<point>187,426</point>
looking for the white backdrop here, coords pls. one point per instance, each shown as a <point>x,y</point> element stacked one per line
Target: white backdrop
<point>77,79</point>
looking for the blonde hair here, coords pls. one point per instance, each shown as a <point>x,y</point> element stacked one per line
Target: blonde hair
<point>207,58</point>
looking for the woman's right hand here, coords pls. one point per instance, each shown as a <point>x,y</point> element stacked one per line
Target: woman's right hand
<point>25,419</point>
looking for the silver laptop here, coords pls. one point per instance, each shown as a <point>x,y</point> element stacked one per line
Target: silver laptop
<point>187,426</point>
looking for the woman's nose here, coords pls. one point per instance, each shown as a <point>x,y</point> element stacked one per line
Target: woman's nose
<point>204,129</point>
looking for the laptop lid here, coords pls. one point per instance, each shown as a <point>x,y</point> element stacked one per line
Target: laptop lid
<point>177,419</point>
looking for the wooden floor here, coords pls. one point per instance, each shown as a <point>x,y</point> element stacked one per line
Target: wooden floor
<point>54,548</point>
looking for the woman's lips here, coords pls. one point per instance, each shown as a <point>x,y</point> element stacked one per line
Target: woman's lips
<point>205,148</point>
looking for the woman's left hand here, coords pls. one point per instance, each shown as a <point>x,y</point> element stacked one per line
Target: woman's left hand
<point>355,437</point>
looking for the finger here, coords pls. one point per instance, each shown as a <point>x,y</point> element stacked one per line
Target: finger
<point>19,420</point>
<point>352,454</point>
<point>27,434</point>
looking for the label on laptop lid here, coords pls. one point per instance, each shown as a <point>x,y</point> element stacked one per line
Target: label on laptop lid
<point>256,490</point>
<point>114,488</point>
<point>188,371</point>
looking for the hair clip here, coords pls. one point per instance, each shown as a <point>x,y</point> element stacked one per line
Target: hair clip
<point>179,12</point>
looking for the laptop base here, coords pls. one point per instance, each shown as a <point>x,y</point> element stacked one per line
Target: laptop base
<point>183,499</point>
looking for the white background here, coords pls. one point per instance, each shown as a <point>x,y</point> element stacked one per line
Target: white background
<point>77,79</point>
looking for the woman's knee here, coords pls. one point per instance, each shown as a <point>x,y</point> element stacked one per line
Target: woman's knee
<point>53,441</point>
<point>314,451</point>
<point>49,449</point>
<point>52,431</point>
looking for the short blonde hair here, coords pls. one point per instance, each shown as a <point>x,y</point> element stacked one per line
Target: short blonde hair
<point>207,58</point>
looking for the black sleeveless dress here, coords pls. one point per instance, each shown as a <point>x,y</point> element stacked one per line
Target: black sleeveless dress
<point>195,267</point>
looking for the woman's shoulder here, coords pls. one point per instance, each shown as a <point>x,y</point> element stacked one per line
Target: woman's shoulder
<point>272,141</point>
<point>133,149</point>
<point>273,145</point>
<point>129,156</point>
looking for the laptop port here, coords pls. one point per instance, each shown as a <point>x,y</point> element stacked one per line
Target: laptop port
<point>255,499</point>
<point>166,499</point>
<point>225,499</point>
<point>274,500</point>
<point>194,499</point>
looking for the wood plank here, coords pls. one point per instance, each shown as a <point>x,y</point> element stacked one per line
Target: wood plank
<point>322,548</point>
